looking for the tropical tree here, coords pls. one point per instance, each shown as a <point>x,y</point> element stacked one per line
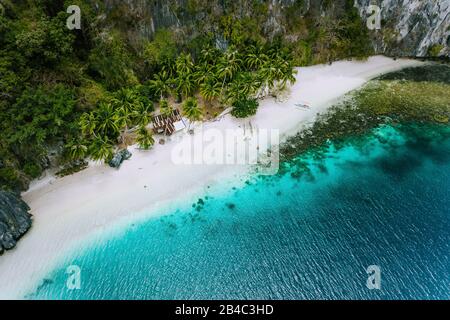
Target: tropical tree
<point>108,120</point>
<point>165,108</point>
<point>101,149</point>
<point>76,149</point>
<point>185,84</point>
<point>203,73</point>
<point>210,90</point>
<point>329,38</point>
<point>232,56</point>
<point>143,113</point>
<point>191,110</point>
<point>255,58</point>
<point>161,51</point>
<point>88,123</point>
<point>267,76</point>
<point>225,72</point>
<point>287,78</point>
<point>284,72</point>
<point>244,108</point>
<point>229,64</point>
<point>209,55</point>
<point>161,85</point>
<point>125,99</point>
<point>144,138</point>
<point>277,72</point>
<point>245,85</point>
<point>184,64</point>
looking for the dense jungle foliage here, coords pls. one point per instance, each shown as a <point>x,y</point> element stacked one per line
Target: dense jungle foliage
<point>67,95</point>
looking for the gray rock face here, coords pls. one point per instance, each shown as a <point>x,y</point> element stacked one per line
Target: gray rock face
<point>119,158</point>
<point>411,27</point>
<point>15,220</point>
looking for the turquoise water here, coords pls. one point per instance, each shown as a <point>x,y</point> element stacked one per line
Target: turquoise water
<point>380,200</point>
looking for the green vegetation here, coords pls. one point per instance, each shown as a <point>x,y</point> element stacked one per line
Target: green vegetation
<point>336,34</point>
<point>191,110</point>
<point>70,95</point>
<point>244,108</point>
<point>434,50</point>
<point>224,77</point>
<point>72,168</point>
<point>144,138</point>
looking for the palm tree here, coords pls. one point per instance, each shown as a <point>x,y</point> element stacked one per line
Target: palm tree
<point>184,64</point>
<point>161,85</point>
<point>267,75</point>
<point>126,117</point>
<point>255,58</point>
<point>284,71</point>
<point>101,149</point>
<point>125,99</point>
<point>108,120</point>
<point>210,90</point>
<point>288,76</point>
<point>77,149</point>
<point>225,71</point>
<point>88,123</point>
<point>191,110</point>
<point>277,73</point>
<point>203,73</point>
<point>232,56</point>
<point>165,108</point>
<point>229,65</point>
<point>142,114</point>
<point>245,85</point>
<point>185,84</point>
<point>144,138</point>
<point>209,55</point>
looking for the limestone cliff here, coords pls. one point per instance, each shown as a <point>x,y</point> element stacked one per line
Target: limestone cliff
<point>408,27</point>
<point>411,27</point>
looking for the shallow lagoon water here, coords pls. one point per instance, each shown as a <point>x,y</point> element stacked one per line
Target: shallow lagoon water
<point>383,199</point>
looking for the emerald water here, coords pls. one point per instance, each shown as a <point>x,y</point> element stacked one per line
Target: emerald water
<point>382,199</point>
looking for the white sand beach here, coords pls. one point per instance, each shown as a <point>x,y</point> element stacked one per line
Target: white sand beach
<point>68,210</point>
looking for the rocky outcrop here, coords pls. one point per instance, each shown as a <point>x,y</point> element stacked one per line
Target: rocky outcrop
<point>416,28</point>
<point>119,158</point>
<point>409,27</point>
<point>15,220</point>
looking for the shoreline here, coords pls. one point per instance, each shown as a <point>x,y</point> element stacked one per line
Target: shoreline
<point>69,211</point>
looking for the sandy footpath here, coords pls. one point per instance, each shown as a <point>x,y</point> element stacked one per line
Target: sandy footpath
<point>68,210</point>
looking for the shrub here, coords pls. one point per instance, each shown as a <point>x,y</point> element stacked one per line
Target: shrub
<point>243,108</point>
<point>32,170</point>
<point>434,50</point>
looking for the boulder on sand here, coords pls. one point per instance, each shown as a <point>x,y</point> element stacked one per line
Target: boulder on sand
<point>119,158</point>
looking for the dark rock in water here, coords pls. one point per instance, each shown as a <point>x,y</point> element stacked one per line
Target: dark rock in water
<point>119,158</point>
<point>15,220</point>
<point>231,206</point>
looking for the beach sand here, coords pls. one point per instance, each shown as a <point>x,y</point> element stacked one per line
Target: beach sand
<point>68,211</point>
